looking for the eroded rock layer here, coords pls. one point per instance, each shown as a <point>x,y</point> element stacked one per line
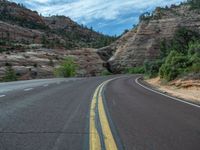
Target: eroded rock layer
<point>143,42</point>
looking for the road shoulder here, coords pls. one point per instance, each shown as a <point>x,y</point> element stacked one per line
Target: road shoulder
<point>190,95</point>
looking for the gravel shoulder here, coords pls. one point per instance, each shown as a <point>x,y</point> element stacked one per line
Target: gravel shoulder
<point>184,89</point>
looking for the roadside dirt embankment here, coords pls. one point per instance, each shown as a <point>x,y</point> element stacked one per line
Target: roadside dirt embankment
<point>184,89</point>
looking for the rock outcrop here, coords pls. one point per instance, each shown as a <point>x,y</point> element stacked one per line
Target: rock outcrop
<point>16,33</point>
<point>53,32</point>
<point>41,63</point>
<point>35,45</point>
<point>143,42</point>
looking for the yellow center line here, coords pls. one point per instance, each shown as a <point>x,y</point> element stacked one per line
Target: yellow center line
<point>94,136</point>
<point>108,138</point>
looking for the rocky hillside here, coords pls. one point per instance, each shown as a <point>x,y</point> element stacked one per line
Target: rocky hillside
<point>17,14</point>
<point>52,32</point>
<point>143,42</point>
<point>76,35</point>
<point>34,45</point>
<point>41,62</point>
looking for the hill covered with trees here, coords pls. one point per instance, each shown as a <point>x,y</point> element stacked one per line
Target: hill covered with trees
<point>21,25</point>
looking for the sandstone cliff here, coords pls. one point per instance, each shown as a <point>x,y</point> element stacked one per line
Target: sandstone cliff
<point>143,42</point>
<point>35,45</point>
<point>41,62</point>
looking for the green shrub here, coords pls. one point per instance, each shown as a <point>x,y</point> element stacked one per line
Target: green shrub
<point>182,38</point>
<point>165,48</point>
<point>195,63</point>
<point>10,74</point>
<point>151,68</point>
<point>178,57</point>
<point>135,70</point>
<point>194,48</point>
<point>195,58</point>
<point>67,68</point>
<point>177,60</point>
<point>195,4</point>
<point>195,68</point>
<point>174,65</point>
<point>105,73</point>
<point>168,72</point>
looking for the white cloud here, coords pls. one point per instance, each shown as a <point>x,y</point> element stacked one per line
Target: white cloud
<point>39,1</point>
<point>88,11</point>
<point>94,9</point>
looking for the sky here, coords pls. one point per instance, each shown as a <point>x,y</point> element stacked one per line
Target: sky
<point>110,17</point>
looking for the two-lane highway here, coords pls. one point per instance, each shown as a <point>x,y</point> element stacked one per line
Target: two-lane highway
<point>94,113</point>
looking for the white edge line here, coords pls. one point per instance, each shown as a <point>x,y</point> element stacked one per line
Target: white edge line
<point>45,85</point>
<point>28,89</point>
<point>174,98</point>
<point>2,96</point>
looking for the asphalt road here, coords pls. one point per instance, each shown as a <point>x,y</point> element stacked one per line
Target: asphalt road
<point>148,121</point>
<point>78,114</point>
<point>46,114</point>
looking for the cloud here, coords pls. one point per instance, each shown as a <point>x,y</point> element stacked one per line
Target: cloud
<point>90,11</point>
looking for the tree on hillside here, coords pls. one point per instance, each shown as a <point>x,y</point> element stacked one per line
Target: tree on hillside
<point>10,74</point>
<point>195,4</point>
<point>125,31</point>
<point>145,16</point>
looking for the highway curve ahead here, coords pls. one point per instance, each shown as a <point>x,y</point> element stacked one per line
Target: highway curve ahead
<point>101,113</point>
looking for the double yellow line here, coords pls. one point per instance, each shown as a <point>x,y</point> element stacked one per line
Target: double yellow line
<point>103,130</point>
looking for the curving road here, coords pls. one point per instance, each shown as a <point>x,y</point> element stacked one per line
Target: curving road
<point>94,113</point>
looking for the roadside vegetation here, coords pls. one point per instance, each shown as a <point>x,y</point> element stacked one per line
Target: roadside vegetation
<point>67,68</point>
<point>178,57</point>
<point>10,74</point>
<point>135,70</point>
<point>105,73</point>
<point>195,4</point>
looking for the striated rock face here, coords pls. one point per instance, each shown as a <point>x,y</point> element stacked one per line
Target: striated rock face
<point>17,33</point>
<point>108,51</point>
<point>19,24</point>
<point>34,45</point>
<point>143,42</point>
<point>60,22</point>
<point>89,62</point>
<point>40,63</point>
<point>75,34</point>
